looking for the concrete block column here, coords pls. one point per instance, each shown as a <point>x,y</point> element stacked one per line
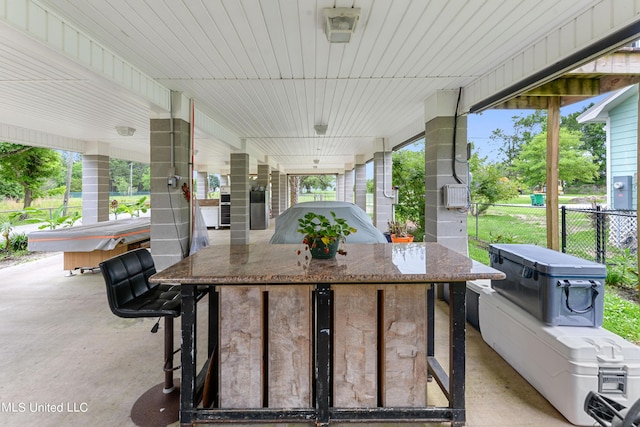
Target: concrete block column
<point>360,192</point>
<point>202,183</point>
<point>276,203</point>
<point>340,187</point>
<point>348,186</point>
<point>445,226</point>
<point>170,210</point>
<point>95,188</point>
<point>382,194</point>
<point>240,188</point>
<point>284,192</point>
<point>264,172</point>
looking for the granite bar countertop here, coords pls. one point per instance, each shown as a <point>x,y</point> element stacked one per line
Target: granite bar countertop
<point>292,264</point>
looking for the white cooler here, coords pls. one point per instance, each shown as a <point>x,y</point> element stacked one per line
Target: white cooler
<point>563,363</point>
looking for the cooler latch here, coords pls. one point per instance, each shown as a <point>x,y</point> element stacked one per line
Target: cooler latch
<point>568,284</point>
<point>612,380</point>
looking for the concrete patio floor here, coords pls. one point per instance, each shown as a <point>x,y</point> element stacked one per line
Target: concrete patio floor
<point>66,360</point>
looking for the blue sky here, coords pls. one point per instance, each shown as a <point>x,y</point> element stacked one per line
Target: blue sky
<point>480,126</point>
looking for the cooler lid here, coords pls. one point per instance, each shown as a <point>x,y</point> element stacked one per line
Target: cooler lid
<point>547,261</point>
<point>583,344</point>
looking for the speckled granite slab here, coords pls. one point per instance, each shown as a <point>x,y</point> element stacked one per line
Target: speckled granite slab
<point>291,263</point>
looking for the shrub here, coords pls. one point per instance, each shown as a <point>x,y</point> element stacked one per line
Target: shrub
<point>19,242</point>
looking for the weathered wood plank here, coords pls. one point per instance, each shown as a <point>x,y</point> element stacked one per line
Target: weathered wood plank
<point>290,352</point>
<point>355,346</point>
<point>553,178</point>
<point>241,346</point>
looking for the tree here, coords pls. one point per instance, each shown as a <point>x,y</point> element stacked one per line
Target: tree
<point>294,189</point>
<point>318,182</point>
<point>67,186</point>
<point>28,167</point>
<point>214,182</point>
<point>524,129</point>
<point>123,173</point>
<point>489,183</point>
<point>574,163</point>
<point>593,140</point>
<point>408,175</point>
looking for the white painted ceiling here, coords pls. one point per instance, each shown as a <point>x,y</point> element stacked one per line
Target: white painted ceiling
<point>264,72</point>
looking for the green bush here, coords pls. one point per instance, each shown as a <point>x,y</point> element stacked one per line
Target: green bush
<point>19,242</point>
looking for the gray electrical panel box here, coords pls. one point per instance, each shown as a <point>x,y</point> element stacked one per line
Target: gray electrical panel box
<point>622,192</point>
<point>455,196</point>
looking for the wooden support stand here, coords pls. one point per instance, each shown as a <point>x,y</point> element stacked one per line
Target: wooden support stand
<point>90,260</point>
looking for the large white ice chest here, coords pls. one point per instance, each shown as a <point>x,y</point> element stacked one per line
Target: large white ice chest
<point>563,363</point>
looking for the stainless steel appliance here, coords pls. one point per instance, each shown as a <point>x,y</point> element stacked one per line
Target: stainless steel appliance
<point>225,206</point>
<point>259,204</point>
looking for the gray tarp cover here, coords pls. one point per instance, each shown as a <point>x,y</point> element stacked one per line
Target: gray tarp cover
<point>102,236</point>
<point>287,222</point>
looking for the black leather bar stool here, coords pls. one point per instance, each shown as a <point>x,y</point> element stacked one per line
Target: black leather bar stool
<point>130,295</point>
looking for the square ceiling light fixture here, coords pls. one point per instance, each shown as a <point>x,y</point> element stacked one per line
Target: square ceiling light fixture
<point>125,130</point>
<point>340,23</point>
<point>320,129</point>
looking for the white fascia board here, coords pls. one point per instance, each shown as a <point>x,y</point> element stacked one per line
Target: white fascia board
<point>56,34</point>
<point>595,23</point>
<point>19,135</point>
<point>214,129</point>
<point>600,111</point>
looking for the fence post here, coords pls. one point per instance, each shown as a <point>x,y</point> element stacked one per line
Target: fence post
<point>476,215</point>
<point>563,230</point>
<point>600,246</point>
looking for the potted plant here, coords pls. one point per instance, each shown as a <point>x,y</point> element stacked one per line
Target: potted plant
<point>322,236</point>
<point>400,231</point>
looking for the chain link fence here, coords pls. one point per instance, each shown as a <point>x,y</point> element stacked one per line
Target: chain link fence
<point>598,234</point>
<point>593,233</point>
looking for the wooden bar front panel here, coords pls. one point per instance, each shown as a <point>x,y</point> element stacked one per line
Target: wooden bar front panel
<point>355,346</point>
<point>241,346</point>
<point>289,352</point>
<point>405,360</point>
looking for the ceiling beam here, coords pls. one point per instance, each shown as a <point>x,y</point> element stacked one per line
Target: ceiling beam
<point>567,86</point>
<point>611,72</point>
<point>615,82</point>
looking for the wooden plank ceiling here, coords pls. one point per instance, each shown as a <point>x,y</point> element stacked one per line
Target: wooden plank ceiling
<point>265,73</point>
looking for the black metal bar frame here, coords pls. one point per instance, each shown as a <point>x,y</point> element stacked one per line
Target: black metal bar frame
<point>452,383</point>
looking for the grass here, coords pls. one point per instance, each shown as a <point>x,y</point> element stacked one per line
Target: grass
<point>621,316</point>
<point>497,225</point>
<point>563,199</point>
